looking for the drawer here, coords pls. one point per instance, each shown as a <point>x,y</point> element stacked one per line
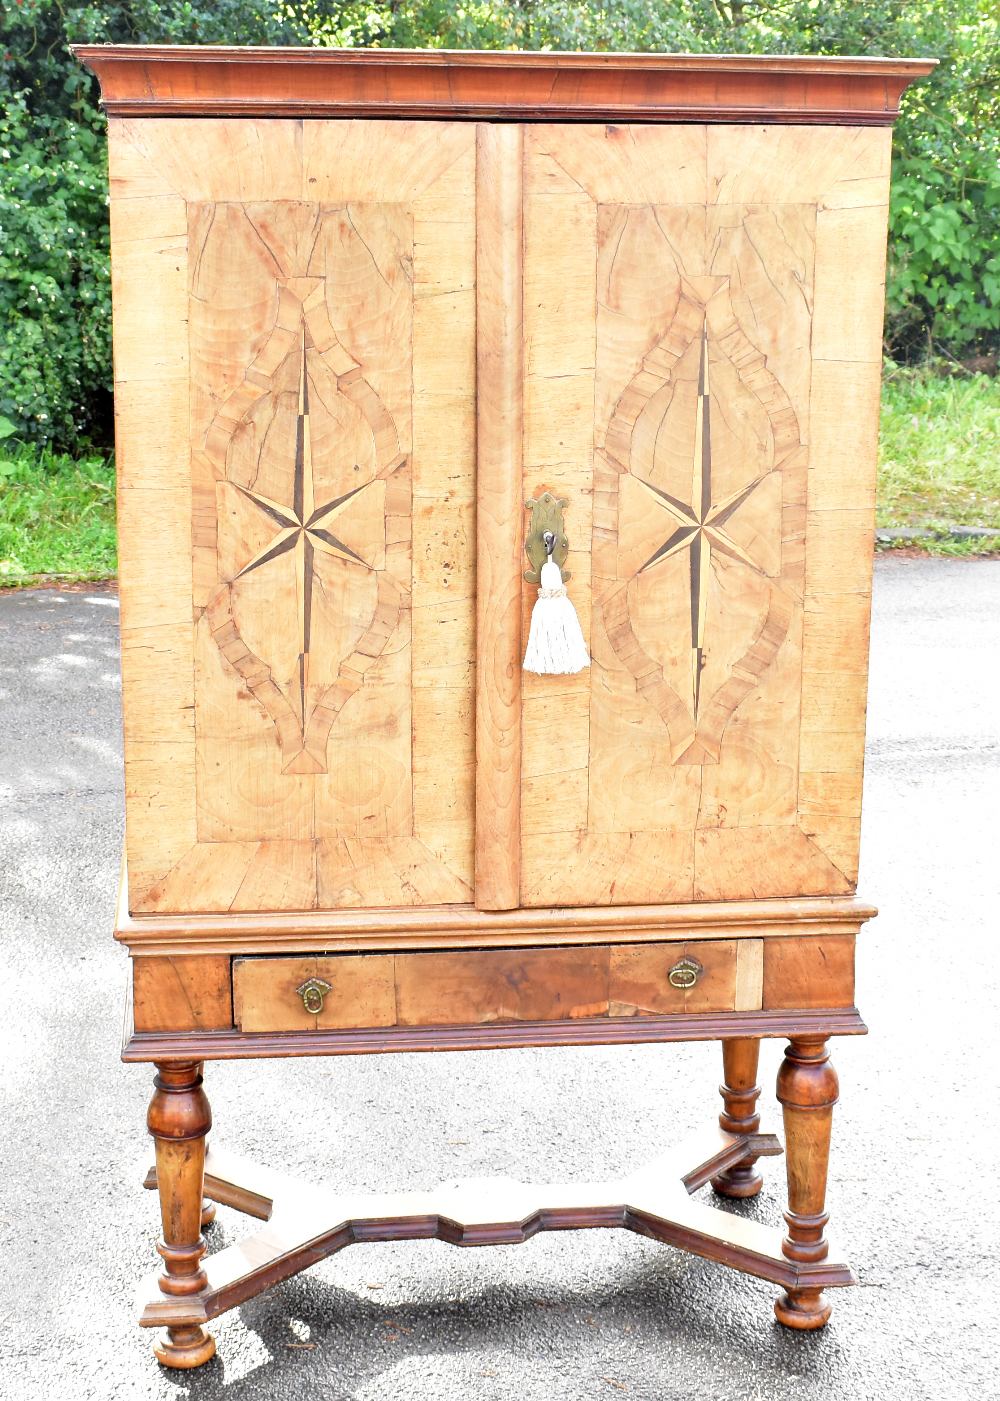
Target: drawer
<point>480,986</point>
<point>350,990</point>
<point>711,975</point>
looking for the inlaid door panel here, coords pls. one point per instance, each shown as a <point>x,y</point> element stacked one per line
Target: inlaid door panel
<point>696,392</point>
<point>295,353</point>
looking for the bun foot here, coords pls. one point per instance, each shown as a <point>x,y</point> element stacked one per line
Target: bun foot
<point>184,1348</point>
<point>207,1212</point>
<point>738,1182</point>
<point>803,1309</point>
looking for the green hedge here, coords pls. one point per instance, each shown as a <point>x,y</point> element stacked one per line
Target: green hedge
<point>944,271</point>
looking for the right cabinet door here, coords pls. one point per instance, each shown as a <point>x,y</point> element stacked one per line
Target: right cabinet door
<point>702,331</point>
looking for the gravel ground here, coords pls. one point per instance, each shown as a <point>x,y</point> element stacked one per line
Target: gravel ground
<point>578,1315</point>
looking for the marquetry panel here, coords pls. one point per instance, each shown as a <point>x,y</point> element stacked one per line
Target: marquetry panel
<point>685,322</point>
<point>677,330</point>
<point>295,366</point>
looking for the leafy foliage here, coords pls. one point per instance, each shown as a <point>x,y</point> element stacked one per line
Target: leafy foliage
<point>54,292</point>
<point>55,302</point>
<point>944,271</point>
<point>944,260</point>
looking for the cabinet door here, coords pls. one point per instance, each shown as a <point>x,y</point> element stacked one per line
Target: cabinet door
<point>294,364</point>
<point>702,332</point>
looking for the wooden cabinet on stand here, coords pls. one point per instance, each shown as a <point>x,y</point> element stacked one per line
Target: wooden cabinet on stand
<point>391,331</point>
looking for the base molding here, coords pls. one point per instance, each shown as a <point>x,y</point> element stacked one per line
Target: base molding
<point>604,1031</point>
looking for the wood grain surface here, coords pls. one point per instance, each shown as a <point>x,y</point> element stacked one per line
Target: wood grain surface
<point>500,515</point>
<point>480,987</point>
<point>486,1036</point>
<point>310,744</point>
<point>720,544</point>
<point>652,322</point>
<point>521,86</point>
<point>182,991</point>
<point>361,992</point>
<point>809,972</point>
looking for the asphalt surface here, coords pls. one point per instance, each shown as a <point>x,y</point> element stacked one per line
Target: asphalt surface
<point>576,1315</point>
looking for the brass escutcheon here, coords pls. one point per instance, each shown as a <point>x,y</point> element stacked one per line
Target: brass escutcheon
<point>312,992</point>
<point>685,973</point>
<point>546,519</point>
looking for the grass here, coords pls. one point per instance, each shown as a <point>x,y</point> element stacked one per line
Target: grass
<point>939,466</point>
<point>57,516</point>
<point>939,455</point>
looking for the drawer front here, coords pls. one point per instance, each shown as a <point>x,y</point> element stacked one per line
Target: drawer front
<point>276,994</point>
<point>712,975</point>
<point>482,986</point>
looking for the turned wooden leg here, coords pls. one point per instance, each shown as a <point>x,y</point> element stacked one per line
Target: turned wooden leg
<point>179,1118</point>
<point>739,1092</point>
<point>807,1090</point>
<point>207,1205</point>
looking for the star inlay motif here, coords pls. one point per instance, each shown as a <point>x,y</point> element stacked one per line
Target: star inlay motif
<point>304,528</point>
<point>701,523</point>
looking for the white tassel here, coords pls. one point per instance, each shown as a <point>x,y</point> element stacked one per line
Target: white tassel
<point>555,642</point>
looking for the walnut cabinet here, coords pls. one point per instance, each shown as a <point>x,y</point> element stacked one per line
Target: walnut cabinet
<point>366,307</point>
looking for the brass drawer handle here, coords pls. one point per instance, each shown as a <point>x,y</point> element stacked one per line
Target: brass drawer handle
<point>312,992</point>
<point>685,973</point>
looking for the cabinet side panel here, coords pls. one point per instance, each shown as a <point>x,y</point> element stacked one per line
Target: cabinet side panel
<point>847,348</point>
<point>149,278</point>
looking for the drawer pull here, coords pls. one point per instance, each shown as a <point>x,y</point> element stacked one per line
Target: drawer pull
<point>312,992</point>
<point>685,973</point>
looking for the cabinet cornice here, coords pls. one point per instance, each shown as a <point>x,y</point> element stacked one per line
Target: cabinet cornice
<point>475,86</point>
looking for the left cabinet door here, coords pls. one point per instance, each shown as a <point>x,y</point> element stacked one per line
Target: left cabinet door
<point>294,334</point>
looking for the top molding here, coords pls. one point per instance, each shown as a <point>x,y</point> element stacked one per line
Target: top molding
<point>181,81</point>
